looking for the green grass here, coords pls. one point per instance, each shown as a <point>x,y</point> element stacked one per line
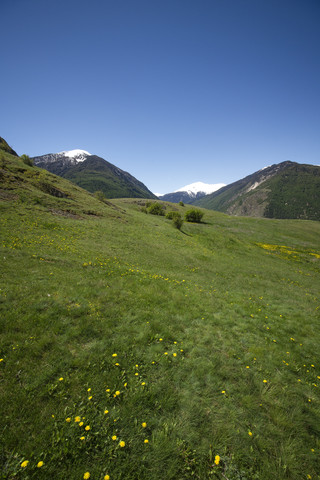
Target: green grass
<point>186,313</point>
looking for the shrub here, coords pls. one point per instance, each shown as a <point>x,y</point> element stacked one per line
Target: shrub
<point>100,195</point>
<point>27,160</point>
<point>170,215</point>
<point>177,221</point>
<point>156,209</point>
<point>194,215</point>
<point>181,204</point>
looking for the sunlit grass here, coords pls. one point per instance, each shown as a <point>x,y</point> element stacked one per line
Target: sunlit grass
<point>135,351</point>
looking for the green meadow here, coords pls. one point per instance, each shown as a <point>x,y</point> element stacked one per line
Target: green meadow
<point>131,350</point>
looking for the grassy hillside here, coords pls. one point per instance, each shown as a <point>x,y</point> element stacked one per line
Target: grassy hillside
<point>130,350</point>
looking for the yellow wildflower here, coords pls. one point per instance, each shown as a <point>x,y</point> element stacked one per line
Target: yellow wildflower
<point>146,441</point>
<point>265,381</point>
<point>87,428</point>
<point>82,438</point>
<point>106,411</point>
<point>90,398</point>
<point>68,419</point>
<point>86,475</point>
<point>117,392</point>
<point>122,444</point>
<point>77,419</point>
<point>24,464</point>
<point>106,477</point>
<point>80,424</point>
<point>144,424</point>
<point>174,354</point>
<point>114,437</point>
<point>40,464</point>
<point>250,434</point>
<point>60,379</point>
<point>114,354</point>
<point>217,459</point>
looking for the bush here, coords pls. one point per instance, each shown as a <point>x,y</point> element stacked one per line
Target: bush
<point>156,209</point>
<point>27,160</point>
<point>181,204</point>
<point>170,215</point>
<point>177,221</point>
<point>100,195</point>
<point>194,215</point>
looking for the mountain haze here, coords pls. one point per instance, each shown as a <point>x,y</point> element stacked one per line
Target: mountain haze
<point>284,190</point>
<point>93,173</point>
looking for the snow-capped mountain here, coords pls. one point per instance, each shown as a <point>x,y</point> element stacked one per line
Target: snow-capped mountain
<point>192,192</point>
<point>71,157</point>
<point>199,187</point>
<point>93,173</point>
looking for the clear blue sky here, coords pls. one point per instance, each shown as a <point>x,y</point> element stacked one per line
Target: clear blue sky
<point>172,91</point>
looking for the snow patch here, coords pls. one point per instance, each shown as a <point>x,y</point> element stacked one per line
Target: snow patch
<point>196,187</point>
<point>79,155</point>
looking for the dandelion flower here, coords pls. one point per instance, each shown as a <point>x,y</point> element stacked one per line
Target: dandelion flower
<point>1,359</point>
<point>217,459</point>
<point>174,354</point>
<point>106,411</point>
<point>160,339</point>
<point>77,419</point>
<point>166,353</point>
<point>90,398</point>
<point>122,444</point>
<point>144,424</point>
<point>86,475</point>
<point>143,383</point>
<point>107,477</point>
<point>223,391</point>
<point>82,438</point>
<point>117,392</point>
<point>114,437</point>
<point>68,419</point>
<point>250,434</point>
<point>265,381</point>
<point>87,428</point>
<point>60,379</point>
<point>40,464</point>
<point>89,390</point>
<point>146,441</point>
<point>247,366</point>
<point>80,424</point>
<point>114,354</point>
<point>136,373</point>
<point>24,464</point>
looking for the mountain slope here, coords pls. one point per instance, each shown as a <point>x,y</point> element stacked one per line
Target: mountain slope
<point>6,148</point>
<point>284,190</point>
<point>190,193</point>
<point>93,173</point>
<point>35,188</point>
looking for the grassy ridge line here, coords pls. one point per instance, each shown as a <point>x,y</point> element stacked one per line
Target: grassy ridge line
<point>77,292</point>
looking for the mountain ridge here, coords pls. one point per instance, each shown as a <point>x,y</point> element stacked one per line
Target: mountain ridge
<point>283,190</point>
<point>93,173</point>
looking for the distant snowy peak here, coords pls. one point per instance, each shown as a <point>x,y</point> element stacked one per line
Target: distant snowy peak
<point>67,157</point>
<point>194,188</point>
<point>78,155</point>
